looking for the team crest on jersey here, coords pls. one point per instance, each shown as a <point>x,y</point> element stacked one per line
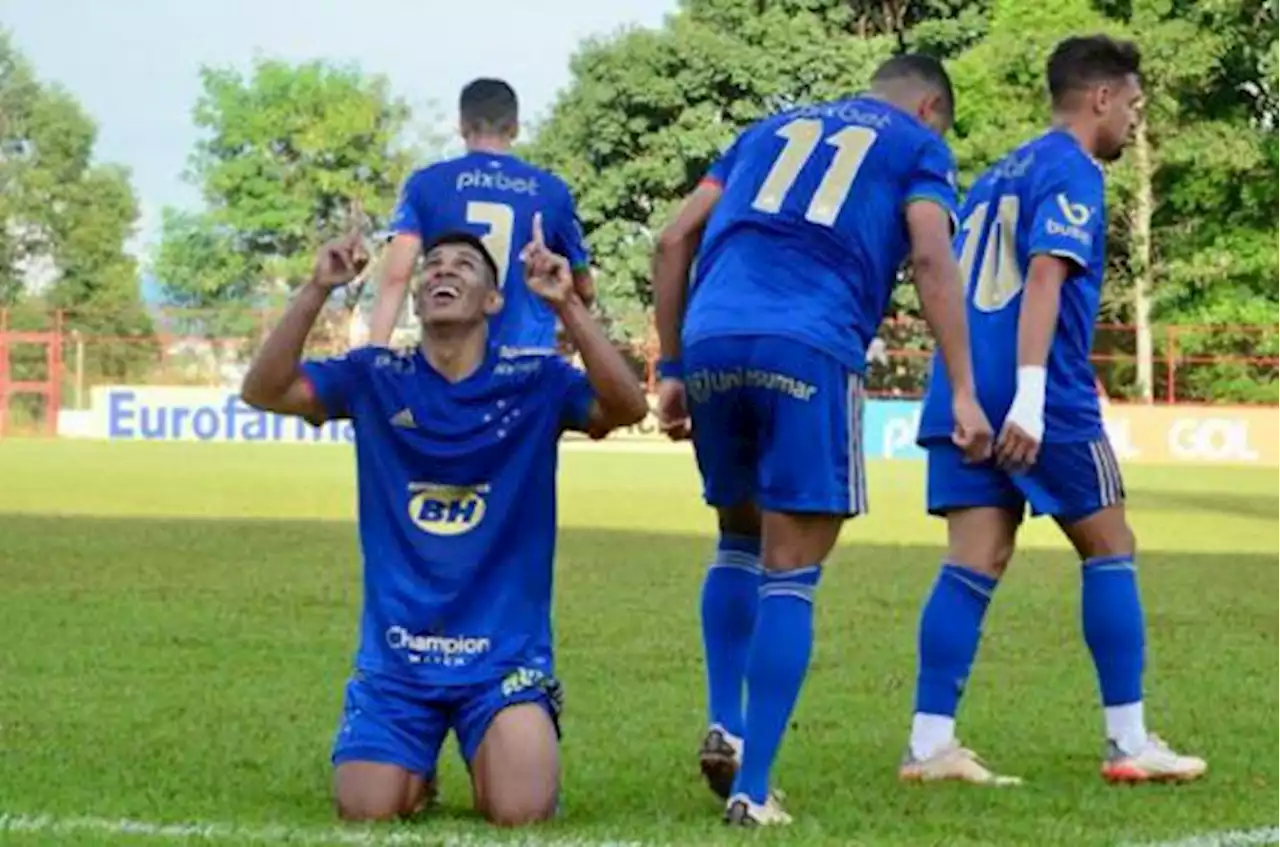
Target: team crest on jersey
<point>446,509</point>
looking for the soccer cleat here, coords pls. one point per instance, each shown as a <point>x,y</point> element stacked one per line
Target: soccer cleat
<point>719,758</point>
<point>742,812</point>
<point>1155,762</point>
<point>952,762</point>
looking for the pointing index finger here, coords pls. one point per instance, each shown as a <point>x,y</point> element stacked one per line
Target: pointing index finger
<point>537,229</point>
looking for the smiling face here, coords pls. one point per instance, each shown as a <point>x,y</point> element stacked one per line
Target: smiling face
<point>457,286</point>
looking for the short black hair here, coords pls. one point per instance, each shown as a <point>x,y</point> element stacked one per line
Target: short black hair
<point>920,68</point>
<point>459,237</point>
<point>1081,62</point>
<point>489,105</point>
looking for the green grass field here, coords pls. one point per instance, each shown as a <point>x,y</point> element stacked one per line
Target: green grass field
<point>177,623</point>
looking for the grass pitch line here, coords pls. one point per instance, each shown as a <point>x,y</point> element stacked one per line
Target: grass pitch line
<point>424,836</point>
<point>1226,838</point>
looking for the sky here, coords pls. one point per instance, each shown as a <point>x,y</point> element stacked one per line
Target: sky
<point>134,64</point>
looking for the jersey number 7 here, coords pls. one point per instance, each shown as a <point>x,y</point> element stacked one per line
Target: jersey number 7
<point>803,135</point>
<point>501,221</point>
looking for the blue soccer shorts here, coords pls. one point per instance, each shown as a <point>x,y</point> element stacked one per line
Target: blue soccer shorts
<point>395,722</point>
<point>1069,481</point>
<point>778,423</point>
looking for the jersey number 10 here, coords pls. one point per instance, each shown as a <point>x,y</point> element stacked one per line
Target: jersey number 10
<point>501,221</point>
<point>999,278</point>
<point>803,135</point>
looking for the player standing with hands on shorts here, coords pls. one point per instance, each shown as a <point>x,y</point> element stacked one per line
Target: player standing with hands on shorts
<point>456,465</point>
<point>799,232</point>
<point>1032,248</point>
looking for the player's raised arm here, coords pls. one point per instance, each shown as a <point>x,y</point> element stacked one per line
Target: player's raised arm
<point>275,381</point>
<point>569,242</point>
<point>938,281</point>
<point>619,398</point>
<point>396,267</point>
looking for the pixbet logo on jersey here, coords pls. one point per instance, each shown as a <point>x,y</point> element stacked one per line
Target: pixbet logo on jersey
<point>446,509</point>
<point>448,650</point>
<point>497,181</point>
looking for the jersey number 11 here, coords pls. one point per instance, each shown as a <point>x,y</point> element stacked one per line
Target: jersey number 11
<point>803,135</point>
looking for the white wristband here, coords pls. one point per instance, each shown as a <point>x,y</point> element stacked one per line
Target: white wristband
<point>1027,409</point>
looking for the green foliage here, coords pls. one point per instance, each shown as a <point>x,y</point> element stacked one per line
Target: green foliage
<point>288,150</point>
<point>67,218</point>
<point>648,111</point>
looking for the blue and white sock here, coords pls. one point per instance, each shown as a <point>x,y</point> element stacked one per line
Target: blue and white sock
<point>1114,630</point>
<point>776,668</point>
<point>730,596</point>
<point>950,628</point>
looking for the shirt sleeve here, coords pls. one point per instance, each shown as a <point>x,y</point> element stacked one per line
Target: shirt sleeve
<point>405,218</point>
<point>1069,217</point>
<point>721,167</point>
<point>337,382</point>
<point>568,239</point>
<point>934,179</point>
<point>574,393</point>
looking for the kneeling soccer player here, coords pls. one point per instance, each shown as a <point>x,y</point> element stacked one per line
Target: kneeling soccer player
<point>1032,251</point>
<point>456,463</point>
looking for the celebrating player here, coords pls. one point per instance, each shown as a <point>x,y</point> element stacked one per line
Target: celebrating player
<point>456,449</point>
<point>493,194</point>
<point>1031,246</point>
<point>808,218</point>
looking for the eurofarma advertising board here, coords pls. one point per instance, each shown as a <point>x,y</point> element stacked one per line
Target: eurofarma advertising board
<point>1246,435</point>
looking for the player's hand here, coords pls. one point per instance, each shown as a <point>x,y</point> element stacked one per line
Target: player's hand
<point>973,431</point>
<point>1016,449</point>
<point>338,262</point>
<point>546,273</point>
<point>673,410</point>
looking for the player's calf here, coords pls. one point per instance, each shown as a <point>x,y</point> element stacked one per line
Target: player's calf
<point>730,597</point>
<point>1114,630</point>
<point>515,772</point>
<point>981,542</point>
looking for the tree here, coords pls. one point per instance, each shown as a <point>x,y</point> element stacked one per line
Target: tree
<point>1192,235</point>
<point>66,219</point>
<point>649,110</point>
<point>290,153</point>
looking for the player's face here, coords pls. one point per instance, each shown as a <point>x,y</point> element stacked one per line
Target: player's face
<point>456,286</point>
<point>1117,107</point>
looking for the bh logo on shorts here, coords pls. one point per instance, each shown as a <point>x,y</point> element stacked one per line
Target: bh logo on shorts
<point>446,509</point>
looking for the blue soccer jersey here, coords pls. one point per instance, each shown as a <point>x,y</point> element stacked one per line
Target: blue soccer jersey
<point>495,196</point>
<point>457,508</point>
<point>1045,198</point>
<point>809,235</point>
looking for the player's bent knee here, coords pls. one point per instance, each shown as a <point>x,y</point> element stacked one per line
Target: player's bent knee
<point>794,540</point>
<point>1103,533</point>
<point>509,811</point>
<point>372,791</point>
<point>982,539</point>
<point>516,768</point>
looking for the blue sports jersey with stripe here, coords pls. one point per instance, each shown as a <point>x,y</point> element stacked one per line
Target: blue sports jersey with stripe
<point>494,196</point>
<point>1046,197</point>
<point>457,515</point>
<point>809,236</point>
<point>792,279</point>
